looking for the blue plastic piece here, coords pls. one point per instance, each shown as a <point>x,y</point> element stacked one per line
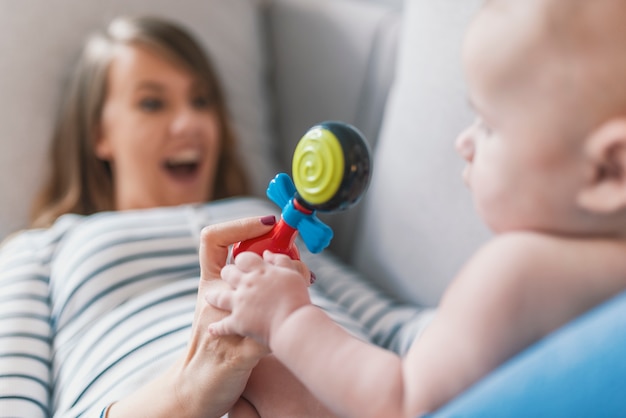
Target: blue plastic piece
<point>315,233</point>
<point>281,189</point>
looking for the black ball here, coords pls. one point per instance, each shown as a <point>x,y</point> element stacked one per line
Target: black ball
<point>331,167</point>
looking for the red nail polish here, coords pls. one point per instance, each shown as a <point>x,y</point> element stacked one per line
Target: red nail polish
<point>313,278</point>
<point>268,220</point>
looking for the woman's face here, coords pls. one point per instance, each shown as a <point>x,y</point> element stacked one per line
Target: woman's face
<point>159,131</point>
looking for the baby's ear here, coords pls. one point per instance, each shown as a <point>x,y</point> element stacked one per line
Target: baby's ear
<point>605,152</point>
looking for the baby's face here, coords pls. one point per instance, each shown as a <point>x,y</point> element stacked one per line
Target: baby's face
<point>523,161</point>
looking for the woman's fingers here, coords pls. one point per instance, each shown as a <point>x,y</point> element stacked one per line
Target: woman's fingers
<point>215,240</point>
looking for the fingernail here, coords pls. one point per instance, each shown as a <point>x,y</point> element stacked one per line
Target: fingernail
<point>268,220</point>
<point>313,278</point>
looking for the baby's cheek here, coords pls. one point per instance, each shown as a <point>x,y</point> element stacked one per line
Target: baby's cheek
<point>492,200</point>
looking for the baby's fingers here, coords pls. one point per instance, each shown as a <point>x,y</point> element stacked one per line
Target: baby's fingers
<point>281,260</point>
<point>222,327</point>
<point>220,298</point>
<point>248,261</point>
<point>232,275</point>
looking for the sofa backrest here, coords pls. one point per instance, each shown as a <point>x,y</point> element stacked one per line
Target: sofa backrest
<point>420,225</point>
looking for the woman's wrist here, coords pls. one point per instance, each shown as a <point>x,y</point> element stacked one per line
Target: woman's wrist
<point>221,380</point>
<point>157,398</point>
<point>184,393</point>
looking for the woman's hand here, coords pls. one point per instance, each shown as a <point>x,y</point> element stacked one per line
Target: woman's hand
<point>220,365</point>
<point>214,371</point>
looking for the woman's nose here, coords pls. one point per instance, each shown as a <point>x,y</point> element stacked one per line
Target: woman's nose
<point>185,122</point>
<point>465,144</point>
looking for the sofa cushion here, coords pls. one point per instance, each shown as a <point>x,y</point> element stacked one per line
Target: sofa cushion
<point>328,67</point>
<point>419,224</point>
<point>40,41</point>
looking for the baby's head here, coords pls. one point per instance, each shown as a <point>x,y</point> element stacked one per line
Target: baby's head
<point>547,79</point>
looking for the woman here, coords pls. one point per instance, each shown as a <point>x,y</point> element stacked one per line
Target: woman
<point>98,302</point>
<point>97,114</point>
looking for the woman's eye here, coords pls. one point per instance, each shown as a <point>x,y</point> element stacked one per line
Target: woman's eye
<point>202,101</point>
<point>151,104</point>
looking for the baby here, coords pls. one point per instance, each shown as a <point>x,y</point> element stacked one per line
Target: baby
<point>546,164</point>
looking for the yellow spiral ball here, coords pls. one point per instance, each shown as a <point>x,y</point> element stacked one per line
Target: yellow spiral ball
<point>318,165</point>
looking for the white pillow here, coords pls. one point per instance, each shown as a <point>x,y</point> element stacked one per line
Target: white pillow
<point>420,225</point>
<point>40,41</point>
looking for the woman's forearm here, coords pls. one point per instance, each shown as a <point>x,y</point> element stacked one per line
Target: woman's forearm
<point>155,399</point>
<point>179,393</point>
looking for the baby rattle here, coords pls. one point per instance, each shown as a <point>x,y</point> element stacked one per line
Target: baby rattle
<point>331,169</point>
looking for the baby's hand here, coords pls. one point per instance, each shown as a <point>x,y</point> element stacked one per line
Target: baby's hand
<point>264,292</point>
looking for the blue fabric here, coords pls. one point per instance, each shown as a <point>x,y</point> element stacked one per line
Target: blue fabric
<point>578,371</point>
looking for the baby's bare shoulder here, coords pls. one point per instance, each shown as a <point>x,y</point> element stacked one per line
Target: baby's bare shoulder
<point>514,259</point>
<point>544,279</point>
<point>549,256</point>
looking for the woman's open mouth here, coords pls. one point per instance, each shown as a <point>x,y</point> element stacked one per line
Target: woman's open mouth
<point>183,166</point>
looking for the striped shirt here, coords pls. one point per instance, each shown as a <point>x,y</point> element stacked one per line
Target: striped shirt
<point>93,307</point>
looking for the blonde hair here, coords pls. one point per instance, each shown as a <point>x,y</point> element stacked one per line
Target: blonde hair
<point>81,183</point>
